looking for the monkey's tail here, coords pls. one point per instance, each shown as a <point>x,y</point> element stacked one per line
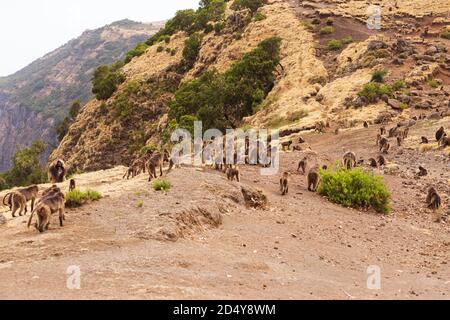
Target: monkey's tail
<point>4,198</point>
<point>31,216</point>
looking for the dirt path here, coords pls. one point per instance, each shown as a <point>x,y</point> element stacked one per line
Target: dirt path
<point>197,244</point>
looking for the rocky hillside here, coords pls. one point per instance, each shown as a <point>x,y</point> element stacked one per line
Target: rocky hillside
<point>328,56</point>
<point>36,98</point>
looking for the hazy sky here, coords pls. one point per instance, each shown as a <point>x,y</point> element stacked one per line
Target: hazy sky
<point>31,28</point>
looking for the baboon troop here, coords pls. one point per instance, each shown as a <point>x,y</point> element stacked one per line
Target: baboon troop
<point>284,183</point>
<point>57,171</point>
<point>313,179</point>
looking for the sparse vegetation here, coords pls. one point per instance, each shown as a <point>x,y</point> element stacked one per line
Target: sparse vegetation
<point>191,49</point>
<point>378,76</point>
<point>136,52</point>
<point>355,188</point>
<point>308,25</point>
<point>259,16</point>
<point>334,44</point>
<point>434,83</point>
<point>445,33</point>
<point>106,80</point>
<point>161,185</point>
<point>326,30</point>
<point>347,40</point>
<point>398,85</point>
<point>140,204</point>
<point>77,198</point>
<point>253,5</point>
<point>372,91</point>
<point>297,115</point>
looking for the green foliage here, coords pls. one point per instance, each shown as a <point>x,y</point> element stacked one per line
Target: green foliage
<point>136,52</point>
<point>222,100</point>
<point>191,49</point>
<point>140,204</point>
<point>308,25</point>
<point>445,33</point>
<point>218,27</point>
<point>253,5</point>
<point>373,90</point>
<point>160,49</point>
<point>433,83</point>
<point>355,188</point>
<point>334,44</point>
<point>326,30</point>
<point>398,85</point>
<point>259,16</point>
<point>26,168</point>
<point>378,76</point>
<point>123,104</point>
<point>161,185</point>
<point>106,80</point>
<point>347,40</point>
<point>77,198</point>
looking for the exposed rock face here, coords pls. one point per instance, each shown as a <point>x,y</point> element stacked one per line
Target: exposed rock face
<point>36,98</point>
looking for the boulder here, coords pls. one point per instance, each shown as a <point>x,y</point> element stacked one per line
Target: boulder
<point>395,104</point>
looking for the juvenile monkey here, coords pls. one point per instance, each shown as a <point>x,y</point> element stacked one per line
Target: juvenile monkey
<point>381,161</point>
<point>18,202</point>
<point>284,183</point>
<point>233,173</point>
<point>287,145</point>
<point>48,205</point>
<point>424,140</point>
<point>313,179</point>
<point>433,199</point>
<point>72,185</point>
<point>422,171</point>
<point>302,165</point>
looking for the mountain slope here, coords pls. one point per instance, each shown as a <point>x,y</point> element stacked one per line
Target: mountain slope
<point>35,98</point>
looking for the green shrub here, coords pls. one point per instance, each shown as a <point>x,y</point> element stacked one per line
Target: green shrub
<point>106,80</point>
<point>253,5</point>
<point>136,52</point>
<point>355,188</point>
<point>445,33</point>
<point>160,49</point>
<point>259,16</point>
<point>191,49</point>
<point>308,25</point>
<point>347,40</point>
<point>140,204</point>
<point>173,52</point>
<point>77,198</point>
<point>373,90</point>
<point>326,30</point>
<point>161,185</point>
<point>433,83</point>
<point>378,76</point>
<point>218,27</point>
<point>398,85</point>
<point>334,44</point>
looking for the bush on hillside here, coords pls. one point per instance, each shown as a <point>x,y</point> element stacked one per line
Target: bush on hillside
<point>253,5</point>
<point>326,30</point>
<point>106,80</point>
<point>355,188</point>
<point>378,76</point>
<point>191,49</point>
<point>334,44</point>
<point>136,52</point>
<point>372,91</point>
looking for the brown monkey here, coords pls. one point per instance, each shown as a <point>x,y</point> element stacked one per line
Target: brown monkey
<point>233,173</point>
<point>284,183</point>
<point>349,160</point>
<point>440,133</point>
<point>286,144</point>
<point>444,142</point>
<point>366,124</point>
<point>44,210</point>
<point>156,160</point>
<point>30,194</point>
<point>393,132</point>
<point>313,179</point>
<point>433,199</point>
<point>422,171</point>
<point>381,161</point>
<point>302,165</point>
<point>72,185</point>
<point>424,140</point>
<point>399,141</point>
<point>300,140</point>
<point>384,145</point>
<point>405,133</point>
<point>336,132</point>
<point>382,131</point>
<point>378,139</point>
<point>57,171</point>
<point>18,202</point>
<point>373,163</point>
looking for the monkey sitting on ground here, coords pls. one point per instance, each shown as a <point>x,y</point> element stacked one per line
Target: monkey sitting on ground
<point>30,194</point>
<point>440,133</point>
<point>349,160</point>
<point>424,140</point>
<point>444,142</point>
<point>47,206</point>
<point>284,183</point>
<point>287,145</point>
<point>433,199</point>
<point>302,165</point>
<point>381,161</point>
<point>56,171</point>
<point>422,172</point>
<point>72,185</point>
<point>373,163</point>
<point>366,125</point>
<point>233,173</point>
<point>313,179</point>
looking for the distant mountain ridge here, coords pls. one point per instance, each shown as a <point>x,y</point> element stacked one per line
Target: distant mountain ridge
<point>34,99</point>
